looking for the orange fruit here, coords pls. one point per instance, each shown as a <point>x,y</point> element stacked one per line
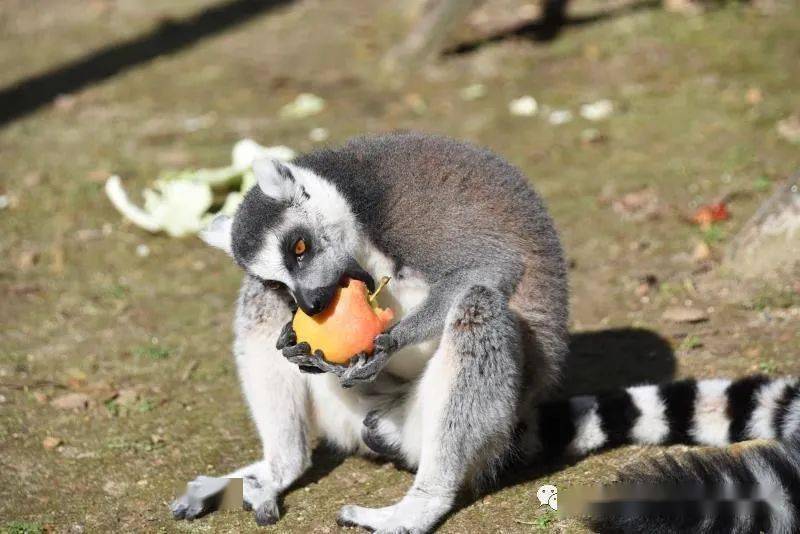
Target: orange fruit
<point>347,326</point>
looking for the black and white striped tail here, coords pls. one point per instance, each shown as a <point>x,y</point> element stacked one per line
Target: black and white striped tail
<point>714,412</point>
<point>754,490</point>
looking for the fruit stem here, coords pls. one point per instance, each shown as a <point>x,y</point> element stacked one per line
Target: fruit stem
<point>384,281</point>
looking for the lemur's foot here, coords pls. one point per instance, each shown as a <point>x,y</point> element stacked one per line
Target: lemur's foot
<point>371,519</point>
<point>185,508</point>
<point>204,494</point>
<point>414,514</point>
<point>258,496</point>
<point>382,434</point>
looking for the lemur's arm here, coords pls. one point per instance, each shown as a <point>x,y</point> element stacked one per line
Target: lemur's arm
<point>425,322</point>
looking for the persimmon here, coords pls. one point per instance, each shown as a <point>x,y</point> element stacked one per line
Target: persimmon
<point>347,326</point>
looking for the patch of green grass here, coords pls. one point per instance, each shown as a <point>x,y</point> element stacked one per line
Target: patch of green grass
<point>713,234</point>
<point>16,360</point>
<point>145,405</point>
<point>545,520</point>
<point>122,444</point>
<point>773,298</point>
<point>118,291</point>
<point>768,367</point>
<point>691,342</point>
<point>762,184</point>
<point>113,407</point>
<point>152,352</point>
<point>23,527</point>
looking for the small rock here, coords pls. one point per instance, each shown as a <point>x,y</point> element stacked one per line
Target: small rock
<point>524,106</point>
<point>701,252</point>
<point>591,136</point>
<point>142,250</point>
<point>98,176</point>
<point>51,442</point>
<point>4,202</point>
<point>71,401</point>
<point>115,489</point>
<point>127,397</point>
<point>416,103</point>
<point>789,128</point>
<point>3,399</point>
<point>65,102</point>
<point>559,116</point>
<point>638,205</point>
<point>69,452</point>
<point>32,179</point>
<point>473,92</point>
<point>597,111</point>
<point>642,290</point>
<point>753,96</point>
<point>26,259</point>
<point>304,105</point>
<point>318,135</point>
<point>679,314</point>
<point>685,7</point>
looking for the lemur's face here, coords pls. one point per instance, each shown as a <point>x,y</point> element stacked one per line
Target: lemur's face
<point>294,228</point>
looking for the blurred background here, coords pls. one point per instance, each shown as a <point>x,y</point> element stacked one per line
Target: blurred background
<point>653,130</point>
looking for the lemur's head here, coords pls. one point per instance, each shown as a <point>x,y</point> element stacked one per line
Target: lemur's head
<point>294,228</point>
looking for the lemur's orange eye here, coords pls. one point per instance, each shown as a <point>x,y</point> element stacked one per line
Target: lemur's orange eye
<point>299,247</point>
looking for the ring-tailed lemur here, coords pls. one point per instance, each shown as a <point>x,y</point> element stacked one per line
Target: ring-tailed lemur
<point>455,386</point>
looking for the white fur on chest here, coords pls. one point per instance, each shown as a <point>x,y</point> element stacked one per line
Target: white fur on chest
<point>406,291</point>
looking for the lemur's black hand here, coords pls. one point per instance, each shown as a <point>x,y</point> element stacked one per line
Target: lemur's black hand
<point>360,368</point>
<point>287,337</point>
<point>300,353</point>
<point>363,368</point>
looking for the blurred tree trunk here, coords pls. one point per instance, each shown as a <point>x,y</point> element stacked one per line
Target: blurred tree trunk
<point>769,244</point>
<point>435,20</point>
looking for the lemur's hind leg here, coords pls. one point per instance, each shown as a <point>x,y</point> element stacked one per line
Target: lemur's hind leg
<point>469,393</point>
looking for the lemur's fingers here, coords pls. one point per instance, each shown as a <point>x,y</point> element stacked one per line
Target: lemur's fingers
<point>363,368</point>
<point>310,369</point>
<point>298,353</point>
<point>385,343</point>
<point>287,337</point>
<point>315,363</point>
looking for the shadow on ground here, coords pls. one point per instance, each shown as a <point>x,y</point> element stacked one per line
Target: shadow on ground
<point>26,96</point>
<point>552,22</point>
<point>598,361</point>
<point>616,358</point>
<point>604,359</point>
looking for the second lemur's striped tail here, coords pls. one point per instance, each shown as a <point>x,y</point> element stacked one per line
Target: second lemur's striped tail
<point>706,412</point>
<point>755,489</point>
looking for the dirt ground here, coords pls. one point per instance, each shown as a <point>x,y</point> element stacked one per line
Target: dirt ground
<point>147,338</point>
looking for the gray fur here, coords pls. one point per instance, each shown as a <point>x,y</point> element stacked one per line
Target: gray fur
<point>471,227</point>
<point>475,422</point>
<point>459,215</point>
<point>495,300</point>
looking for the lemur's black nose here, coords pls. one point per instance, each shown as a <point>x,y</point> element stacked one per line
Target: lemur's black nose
<point>313,301</point>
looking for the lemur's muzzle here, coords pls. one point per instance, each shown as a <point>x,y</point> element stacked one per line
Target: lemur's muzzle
<point>313,301</point>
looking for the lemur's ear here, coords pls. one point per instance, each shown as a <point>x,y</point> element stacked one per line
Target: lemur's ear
<point>275,179</point>
<point>218,233</point>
